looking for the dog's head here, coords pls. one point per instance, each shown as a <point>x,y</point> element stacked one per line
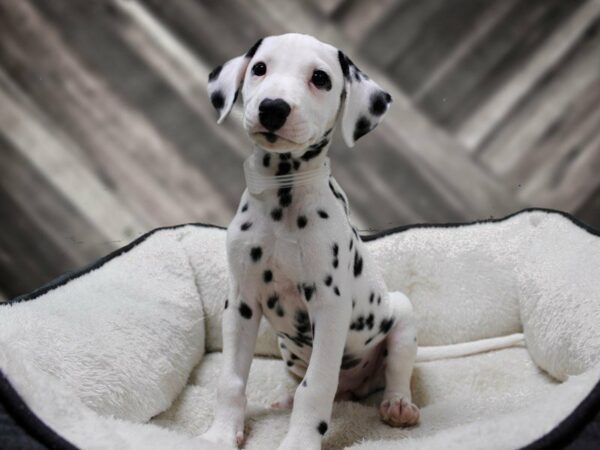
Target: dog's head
<point>293,87</point>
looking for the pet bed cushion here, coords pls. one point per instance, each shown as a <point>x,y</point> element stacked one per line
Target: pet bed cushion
<point>124,354</point>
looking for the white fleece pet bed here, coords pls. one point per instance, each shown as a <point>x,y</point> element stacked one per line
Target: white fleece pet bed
<point>125,353</point>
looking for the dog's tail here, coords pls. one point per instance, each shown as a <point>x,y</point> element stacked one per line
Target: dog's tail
<point>469,348</point>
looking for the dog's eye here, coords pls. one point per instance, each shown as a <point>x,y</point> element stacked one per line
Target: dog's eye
<point>259,69</point>
<point>321,80</point>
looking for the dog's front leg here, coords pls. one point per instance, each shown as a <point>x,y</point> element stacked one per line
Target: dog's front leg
<point>240,327</point>
<point>314,396</point>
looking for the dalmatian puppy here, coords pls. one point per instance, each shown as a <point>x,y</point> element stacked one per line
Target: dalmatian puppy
<point>293,253</point>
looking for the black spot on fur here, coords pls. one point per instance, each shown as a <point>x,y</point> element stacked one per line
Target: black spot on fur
<point>276,214</point>
<point>379,299</point>
<point>336,263</point>
<point>226,303</point>
<point>368,341</point>
<point>272,300</point>
<point>267,276</point>
<point>315,150</point>
<point>245,226</point>
<point>283,168</point>
<point>255,253</point>
<point>290,363</point>
<point>363,126</point>
<point>328,280</point>
<point>217,99</point>
<point>351,244</point>
<point>358,264</point>
<point>304,383</point>
<point>215,73</point>
<point>370,321</point>
<point>279,311</point>
<point>302,324</point>
<point>336,291</point>
<point>245,311</point>
<point>267,159</point>
<point>250,53</point>
<point>309,290</point>
<point>296,164</point>
<point>386,325</point>
<point>371,297</point>
<point>245,207</point>
<point>323,214</point>
<point>379,102</point>
<point>302,221</point>
<point>322,428</point>
<point>335,248</point>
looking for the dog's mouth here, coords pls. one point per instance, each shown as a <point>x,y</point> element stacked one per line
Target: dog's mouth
<point>274,141</point>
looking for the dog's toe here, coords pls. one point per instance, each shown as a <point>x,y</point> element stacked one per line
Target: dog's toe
<point>399,412</point>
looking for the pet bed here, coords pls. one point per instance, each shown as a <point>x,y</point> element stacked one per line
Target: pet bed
<point>124,354</point>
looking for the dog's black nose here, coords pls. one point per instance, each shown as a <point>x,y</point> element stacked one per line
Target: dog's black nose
<point>272,113</point>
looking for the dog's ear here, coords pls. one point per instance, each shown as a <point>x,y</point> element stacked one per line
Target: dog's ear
<point>225,81</point>
<point>365,103</point>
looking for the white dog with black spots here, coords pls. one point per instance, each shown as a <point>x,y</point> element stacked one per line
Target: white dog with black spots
<point>293,253</point>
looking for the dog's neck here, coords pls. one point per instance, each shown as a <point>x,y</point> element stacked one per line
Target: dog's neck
<point>283,172</point>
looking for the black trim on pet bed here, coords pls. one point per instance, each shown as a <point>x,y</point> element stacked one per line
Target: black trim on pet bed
<point>579,430</point>
<point>21,428</point>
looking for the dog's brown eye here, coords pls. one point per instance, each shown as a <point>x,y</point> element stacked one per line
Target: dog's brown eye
<point>321,80</point>
<point>259,69</point>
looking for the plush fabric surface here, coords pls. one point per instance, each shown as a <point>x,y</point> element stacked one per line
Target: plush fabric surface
<point>114,357</point>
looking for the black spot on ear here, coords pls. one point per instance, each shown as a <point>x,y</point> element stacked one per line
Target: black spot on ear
<point>250,53</point>
<point>378,103</point>
<point>215,73</point>
<point>245,311</point>
<point>255,253</point>
<point>226,303</point>
<point>322,427</point>
<point>363,126</point>
<point>245,226</point>
<point>217,100</point>
<point>276,214</point>
<point>302,221</point>
<point>267,276</point>
<point>267,159</point>
<point>344,65</point>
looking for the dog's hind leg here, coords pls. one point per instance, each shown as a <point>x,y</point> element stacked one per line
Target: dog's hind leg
<point>397,409</point>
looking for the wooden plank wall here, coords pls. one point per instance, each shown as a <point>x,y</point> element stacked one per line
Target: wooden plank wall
<point>106,131</point>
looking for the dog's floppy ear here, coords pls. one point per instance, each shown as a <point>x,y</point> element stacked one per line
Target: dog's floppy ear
<point>225,81</point>
<point>365,103</point>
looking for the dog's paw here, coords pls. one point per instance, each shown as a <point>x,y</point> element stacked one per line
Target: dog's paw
<point>396,411</point>
<point>225,435</point>
<point>285,402</point>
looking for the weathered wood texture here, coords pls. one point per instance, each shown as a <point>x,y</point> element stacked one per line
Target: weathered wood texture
<point>106,131</point>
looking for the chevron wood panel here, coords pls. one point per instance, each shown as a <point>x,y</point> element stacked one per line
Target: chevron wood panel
<point>106,131</point>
